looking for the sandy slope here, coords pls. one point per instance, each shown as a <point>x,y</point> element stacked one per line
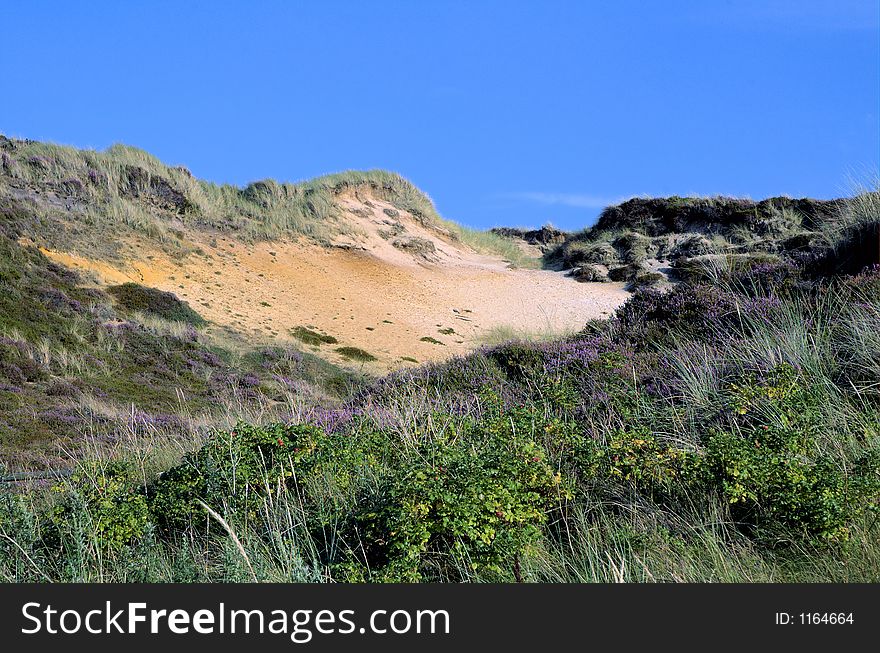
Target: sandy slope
<point>366,292</point>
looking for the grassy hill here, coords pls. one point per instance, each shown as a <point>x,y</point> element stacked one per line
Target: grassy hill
<point>648,241</point>
<point>78,362</point>
<point>725,431</point>
<point>84,365</point>
<point>722,428</point>
<point>87,200</point>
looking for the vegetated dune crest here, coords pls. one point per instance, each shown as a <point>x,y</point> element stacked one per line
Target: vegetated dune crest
<point>391,285</point>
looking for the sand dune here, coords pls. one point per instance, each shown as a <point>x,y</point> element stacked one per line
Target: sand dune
<point>392,287</point>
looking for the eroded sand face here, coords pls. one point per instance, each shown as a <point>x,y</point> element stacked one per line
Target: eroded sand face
<point>371,295</point>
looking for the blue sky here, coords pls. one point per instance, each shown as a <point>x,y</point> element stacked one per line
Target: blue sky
<point>506,113</point>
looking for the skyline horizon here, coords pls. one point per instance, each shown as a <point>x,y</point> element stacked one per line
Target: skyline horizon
<point>504,113</point>
<point>854,184</point>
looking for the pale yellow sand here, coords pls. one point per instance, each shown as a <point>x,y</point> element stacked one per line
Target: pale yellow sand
<point>365,292</point>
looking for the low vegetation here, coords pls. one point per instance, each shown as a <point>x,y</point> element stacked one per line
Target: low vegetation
<point>84,369</point>
<point>165,305</point>
<point>309,337</point>
<point>492,243</point>
<point>355,354</point>
<point>724,431</point>
<point>646,242</point>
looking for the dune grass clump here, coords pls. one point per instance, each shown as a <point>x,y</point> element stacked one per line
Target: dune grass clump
<point>492,243</point>
<point>505,333</point>
<point>166,305</point>
<point>356,354</point>
<point>313,338</point>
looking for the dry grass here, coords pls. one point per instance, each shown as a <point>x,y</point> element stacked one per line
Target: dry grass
<point>502,334</point>
<point>126,187</point>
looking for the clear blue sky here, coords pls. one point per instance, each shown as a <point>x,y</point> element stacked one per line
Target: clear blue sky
<point>506,113</point>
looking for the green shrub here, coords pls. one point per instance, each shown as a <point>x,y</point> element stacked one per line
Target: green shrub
<point>233,471</point>
<point>103,504</point>
<point>637,457</point>
<point>174,497</point>
<point>474,500</point>
<point>775,474</point>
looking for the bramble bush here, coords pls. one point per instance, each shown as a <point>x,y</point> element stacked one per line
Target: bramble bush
<point>473,499</point>
<point>234,471</point>
<point>638,457</point>
<point>775,474</point>
<point>102,503</point>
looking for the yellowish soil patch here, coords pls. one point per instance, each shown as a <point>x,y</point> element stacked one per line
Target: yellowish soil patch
<point>369,294</point>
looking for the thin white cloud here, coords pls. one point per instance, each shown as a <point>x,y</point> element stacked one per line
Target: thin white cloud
<point>577,200</point>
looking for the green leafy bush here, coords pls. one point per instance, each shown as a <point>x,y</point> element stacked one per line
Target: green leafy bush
<point>638,457</point>
<point>472,499</point>
<point>101,503</point>
<point>775,474</point>
<point>234,470</point>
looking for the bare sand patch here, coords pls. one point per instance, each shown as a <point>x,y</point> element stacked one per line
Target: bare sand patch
<point>366,291</point>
